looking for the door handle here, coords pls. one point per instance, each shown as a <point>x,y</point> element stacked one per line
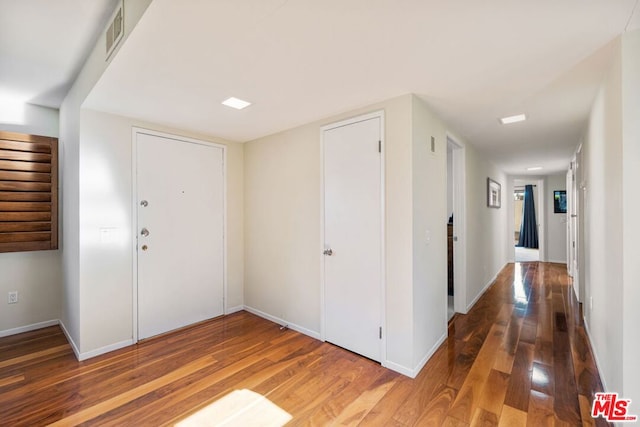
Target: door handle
<point>144,232</point>
<point>328,252</point>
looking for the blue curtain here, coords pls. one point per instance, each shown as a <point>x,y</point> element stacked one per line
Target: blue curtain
<point>529,227</point>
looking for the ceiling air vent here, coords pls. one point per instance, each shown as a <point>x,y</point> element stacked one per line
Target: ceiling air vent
<point>115,30</point>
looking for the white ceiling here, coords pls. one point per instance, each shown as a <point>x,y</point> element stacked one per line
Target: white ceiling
<point>302,60</point>
<point>43,44</point>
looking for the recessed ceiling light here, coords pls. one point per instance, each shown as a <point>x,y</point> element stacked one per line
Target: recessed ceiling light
<point>236,103</point>
<point>534,168</point>
<point>513,119</point>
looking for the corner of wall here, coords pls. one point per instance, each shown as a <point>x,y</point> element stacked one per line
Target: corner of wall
<point>70,153</point>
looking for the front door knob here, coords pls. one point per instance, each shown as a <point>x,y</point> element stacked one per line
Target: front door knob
<point>328,252</point>
<point>144,232</point>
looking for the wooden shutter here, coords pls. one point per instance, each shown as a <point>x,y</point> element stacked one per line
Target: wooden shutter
<point>28,192</point>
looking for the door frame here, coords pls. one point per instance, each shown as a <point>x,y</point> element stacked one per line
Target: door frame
<point>541,213</point>
<point>570,211</point>
<point>579,221</point>
<point>135,131</point>
<point>459,226</point>
<point>383,262</point>
<point>542,220</point>
<point>572,225</point>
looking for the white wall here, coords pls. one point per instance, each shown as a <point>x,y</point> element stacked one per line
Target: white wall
<point>429,172</point>
<point>630,215</point>
<point>449,181</point>
<point>603,228</point>
<point>282,226</point>
<point>35,275</point>
<point>69,147</point>
<point>106,281</point>
<point>556,223</point>
<point>486,229</point>
<point>32,119</point>
<point>96,163</point>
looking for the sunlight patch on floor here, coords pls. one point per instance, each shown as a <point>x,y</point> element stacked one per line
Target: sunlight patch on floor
<point>519,293</point>
<point>526,254</point>
<point>239,408</point>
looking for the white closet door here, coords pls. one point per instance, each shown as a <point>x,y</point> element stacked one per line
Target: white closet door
<point>352,236</point>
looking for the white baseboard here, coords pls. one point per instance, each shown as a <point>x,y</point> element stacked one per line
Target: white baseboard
<point>401,369</point>
<point>93,353</point>
<point>557,262</point>
<point>235,309</point>
<point>427,356</point>
<point>595,357</point>
<point>106,349</point>
<point>28,328</point>
<point>293,326</point>
<point>484,289</point>
<point>409,372</point>
<point>72,343</point>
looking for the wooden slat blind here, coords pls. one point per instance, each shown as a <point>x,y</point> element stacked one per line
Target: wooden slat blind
<point>28,192</point>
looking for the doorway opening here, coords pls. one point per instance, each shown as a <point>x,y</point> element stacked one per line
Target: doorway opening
<point>526,217</point>
<point>450,259</point>
<point>456,254</point>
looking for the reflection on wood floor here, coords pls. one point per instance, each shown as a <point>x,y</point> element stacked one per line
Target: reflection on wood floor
<point>520,357</point>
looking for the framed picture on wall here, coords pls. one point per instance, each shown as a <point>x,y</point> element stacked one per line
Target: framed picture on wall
<point>559,201</point>
<point>493,193</point>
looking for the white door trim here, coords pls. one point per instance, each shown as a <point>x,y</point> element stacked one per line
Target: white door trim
<point>579,195</point>
<point>542,220</point>
<point>376,114</point>
<point>135,131</point>
<point>459,226</point>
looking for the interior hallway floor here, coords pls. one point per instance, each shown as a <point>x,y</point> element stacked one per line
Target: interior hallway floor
<point>527,254</point>
<point>519,357</point>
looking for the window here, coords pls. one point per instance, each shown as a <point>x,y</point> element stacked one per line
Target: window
<point>28,192</point>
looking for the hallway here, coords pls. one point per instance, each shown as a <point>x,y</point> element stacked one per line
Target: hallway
<point>529,354</point>
<point>520,357</point>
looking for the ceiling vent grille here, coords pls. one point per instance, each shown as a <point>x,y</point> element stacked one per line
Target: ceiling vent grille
<point>114,32</point>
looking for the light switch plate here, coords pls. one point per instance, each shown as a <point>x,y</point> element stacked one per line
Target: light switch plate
<point>13,297</point>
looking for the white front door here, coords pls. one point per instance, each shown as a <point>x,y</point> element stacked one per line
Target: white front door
<point>352,236</point>
<point>180,250</point>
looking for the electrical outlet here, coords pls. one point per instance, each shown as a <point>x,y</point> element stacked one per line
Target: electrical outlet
<point>13,297</point>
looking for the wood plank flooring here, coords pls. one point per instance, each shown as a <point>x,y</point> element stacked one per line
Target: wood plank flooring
<point>520,357</point>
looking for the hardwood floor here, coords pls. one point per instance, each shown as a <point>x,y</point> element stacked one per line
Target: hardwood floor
<point>520,357</point>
